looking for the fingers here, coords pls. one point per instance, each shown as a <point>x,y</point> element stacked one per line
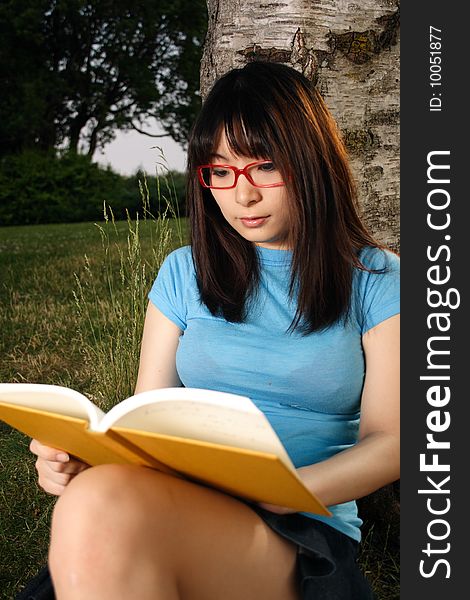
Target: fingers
<point>51,481</point>
<point>55,468</point>
<point>47,453</point>
<point>54,482</point>
<point>279,510</point>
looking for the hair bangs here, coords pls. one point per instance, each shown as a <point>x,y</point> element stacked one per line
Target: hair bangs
<point>247,130</point>
<point>245,119</point>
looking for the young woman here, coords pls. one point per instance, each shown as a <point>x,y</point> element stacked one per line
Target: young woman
<point>282,296</point>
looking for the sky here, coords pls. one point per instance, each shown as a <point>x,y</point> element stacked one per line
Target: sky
<point>131,151</point>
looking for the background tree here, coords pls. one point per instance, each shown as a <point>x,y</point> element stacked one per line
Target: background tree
<point>74,71</point>
<point>351,52</point>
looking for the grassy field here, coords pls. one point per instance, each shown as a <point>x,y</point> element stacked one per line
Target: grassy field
<point>67,296</point>
<point>53,280</point>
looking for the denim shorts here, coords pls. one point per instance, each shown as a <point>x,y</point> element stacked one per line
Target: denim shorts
<point>327,567</point>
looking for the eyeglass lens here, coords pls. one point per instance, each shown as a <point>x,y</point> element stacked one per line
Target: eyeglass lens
<point>260,174</point>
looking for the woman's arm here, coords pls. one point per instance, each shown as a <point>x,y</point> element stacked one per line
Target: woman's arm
<point>157,368</point>
<point>375,460</point>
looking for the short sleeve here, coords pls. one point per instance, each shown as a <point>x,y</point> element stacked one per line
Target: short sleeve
<point>168,290</point>
<point>379,292</point>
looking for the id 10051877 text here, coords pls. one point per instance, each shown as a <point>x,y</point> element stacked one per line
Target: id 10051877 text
<point>435,68</point>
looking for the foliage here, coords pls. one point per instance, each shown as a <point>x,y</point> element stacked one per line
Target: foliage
<point>42,188</point>
<point>76,70</point>
<point>170,184</point>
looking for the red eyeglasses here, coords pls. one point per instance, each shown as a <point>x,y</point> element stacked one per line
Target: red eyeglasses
<point>262,174</point>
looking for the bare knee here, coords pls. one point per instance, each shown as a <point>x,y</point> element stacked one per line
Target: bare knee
<point>130,532</point>
<point>110,495</point>
<point>100,520</point>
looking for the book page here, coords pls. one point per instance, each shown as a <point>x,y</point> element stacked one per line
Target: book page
<point>204,415</point>
<point>51,398</point>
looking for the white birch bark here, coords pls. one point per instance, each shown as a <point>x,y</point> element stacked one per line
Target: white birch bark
<point>351,51</point>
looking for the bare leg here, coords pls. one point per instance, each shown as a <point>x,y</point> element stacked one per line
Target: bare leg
<point>129,532</point>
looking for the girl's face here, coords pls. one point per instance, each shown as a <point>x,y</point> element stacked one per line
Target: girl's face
<point>260,215</point>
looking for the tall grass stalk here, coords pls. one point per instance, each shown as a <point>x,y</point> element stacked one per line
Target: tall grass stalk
<point>110,328</point>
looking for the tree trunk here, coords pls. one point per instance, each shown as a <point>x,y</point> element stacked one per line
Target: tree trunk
<point>75,128</point>
<point>351,52</point>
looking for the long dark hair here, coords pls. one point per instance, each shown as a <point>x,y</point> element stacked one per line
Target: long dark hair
<point>269,110</point>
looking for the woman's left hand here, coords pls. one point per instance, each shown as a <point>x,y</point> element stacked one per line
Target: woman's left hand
<point>279,510</point>
<point>282,510</point>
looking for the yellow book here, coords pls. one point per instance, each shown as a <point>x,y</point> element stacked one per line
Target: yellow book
<point>218,439</point>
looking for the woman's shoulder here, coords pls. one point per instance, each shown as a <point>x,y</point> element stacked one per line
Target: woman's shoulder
<point>180,254</point>
<point>179,259</point>
<point>379,259</point>
<point>377,286</point>
<point>177,268</point>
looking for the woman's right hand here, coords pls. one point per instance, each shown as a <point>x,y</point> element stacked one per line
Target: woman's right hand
<point>55,468</point>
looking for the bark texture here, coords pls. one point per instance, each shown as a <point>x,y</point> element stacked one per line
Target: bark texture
<point>351,53</point>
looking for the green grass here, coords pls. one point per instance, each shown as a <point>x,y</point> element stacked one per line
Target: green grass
<point>64,319</point>
<point>61,314</point>
<point>379,559</point>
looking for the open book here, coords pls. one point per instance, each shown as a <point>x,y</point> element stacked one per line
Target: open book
<point>218,439</point>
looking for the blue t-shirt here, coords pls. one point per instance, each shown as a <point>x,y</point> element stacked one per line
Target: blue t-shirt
<point>309,387</point>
